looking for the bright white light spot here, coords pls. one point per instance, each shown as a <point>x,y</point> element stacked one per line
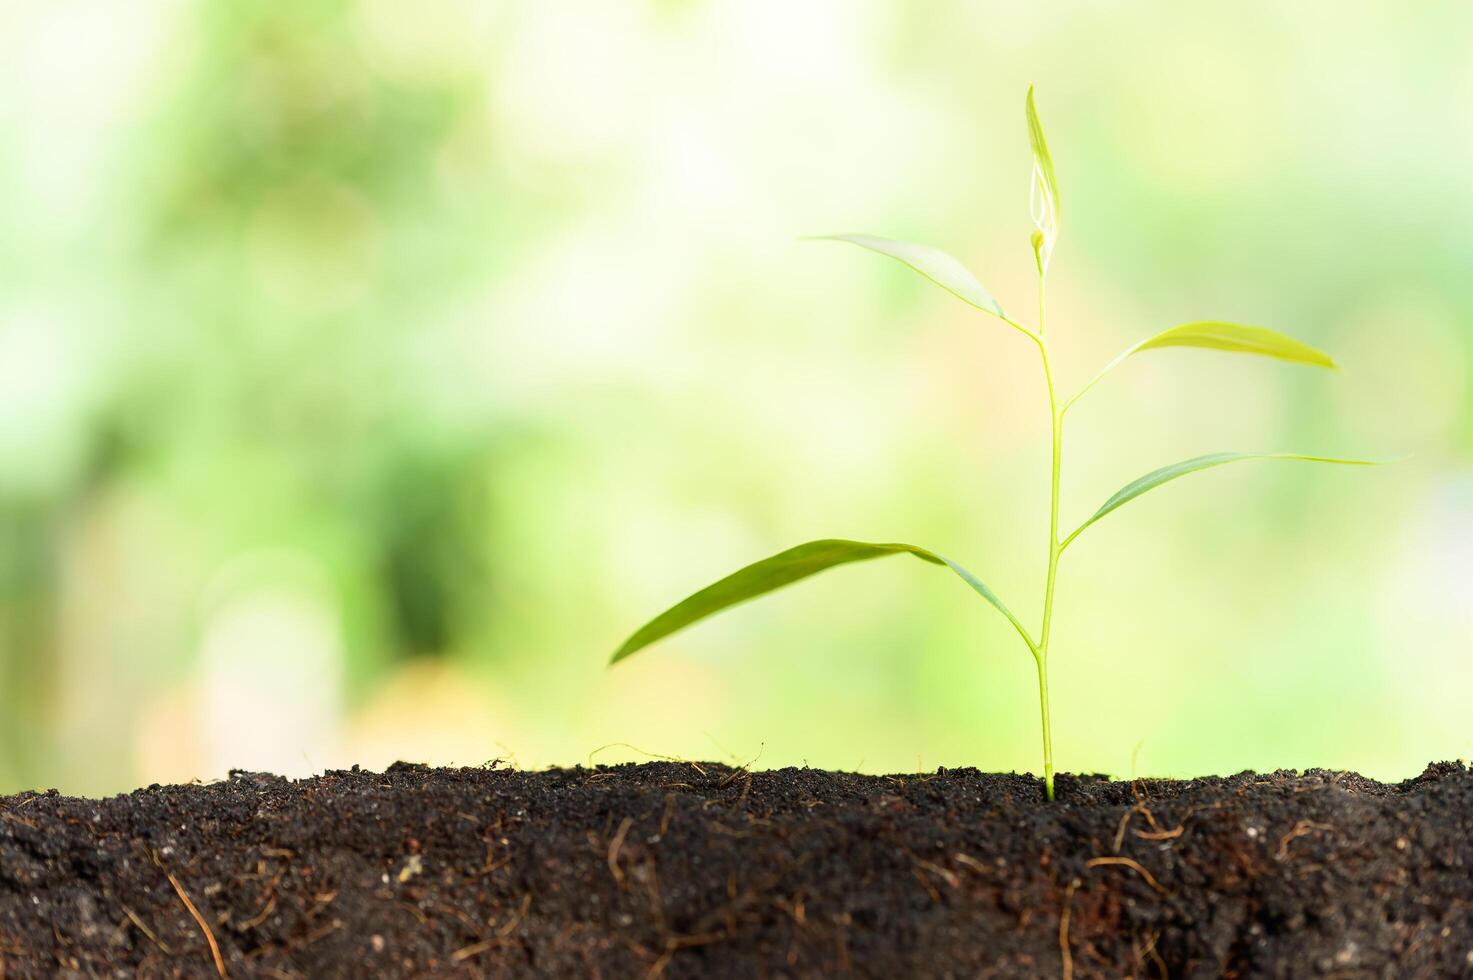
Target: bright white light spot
<point>271,663</point>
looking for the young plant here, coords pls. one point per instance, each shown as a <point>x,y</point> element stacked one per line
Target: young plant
<point>816,556</point>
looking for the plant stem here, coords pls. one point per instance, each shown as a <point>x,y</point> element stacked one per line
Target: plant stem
<point>1056,419</point>
<point>1048,748</point>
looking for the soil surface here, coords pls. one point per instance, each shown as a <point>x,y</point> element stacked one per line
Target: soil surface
<point>699,870</point>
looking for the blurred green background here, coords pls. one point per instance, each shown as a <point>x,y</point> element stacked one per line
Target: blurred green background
<point>368,370</point>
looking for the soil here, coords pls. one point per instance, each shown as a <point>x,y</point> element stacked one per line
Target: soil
<point>699,870</point>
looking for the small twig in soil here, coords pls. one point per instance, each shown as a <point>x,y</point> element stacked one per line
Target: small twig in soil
<point>320,902</point>
<point>745,767</point>
<point>321,932</point>
<point>617,844</point>
<point>259,917</point>
<point>971,862</point>
<point>746,778</point>
<point>471,925</point>
<point>1130,863</point>
<point>696,939</point>
<point>658,967</point>
<point>1120,830</point>
<point>516,918</point>
<point>636,748</point>
<point>1302,828</point>
<point>930,888</point>
<point>1068,971</point>
<point>474,949</point>
<point>1148,948</point>
<point>676,943</point>
<point>950,877</point>
<point>721,828</point>
<point>1155,833</point>
<point>795,908</point>
<point>1159,834</point>
<point>490,834</point>
<point>133,918</point>
<point>204,926</point>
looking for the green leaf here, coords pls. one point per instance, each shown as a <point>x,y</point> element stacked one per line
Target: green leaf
<point>783,569</point>
<point>1041,154</point>
<point>1043,202</point>
<point>932,263</point>
<point>1165,474</point>
<point>1217,335</point>
<point>1235,337</point>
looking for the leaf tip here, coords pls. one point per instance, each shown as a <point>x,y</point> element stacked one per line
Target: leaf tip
<point>1320,359</point>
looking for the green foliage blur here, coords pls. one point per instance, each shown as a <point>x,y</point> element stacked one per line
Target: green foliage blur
<point>368,370</point>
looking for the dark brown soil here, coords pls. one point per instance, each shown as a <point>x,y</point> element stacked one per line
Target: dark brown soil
<point>685,870</point>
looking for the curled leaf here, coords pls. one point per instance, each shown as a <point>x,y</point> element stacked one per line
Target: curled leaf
<point>942,269</point>
<point>783,569</point>
<point>1043,198</point>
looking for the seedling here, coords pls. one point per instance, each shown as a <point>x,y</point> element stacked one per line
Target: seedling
<point>815,556</point>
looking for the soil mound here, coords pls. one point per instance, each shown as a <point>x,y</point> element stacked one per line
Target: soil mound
<point>698,870</point>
